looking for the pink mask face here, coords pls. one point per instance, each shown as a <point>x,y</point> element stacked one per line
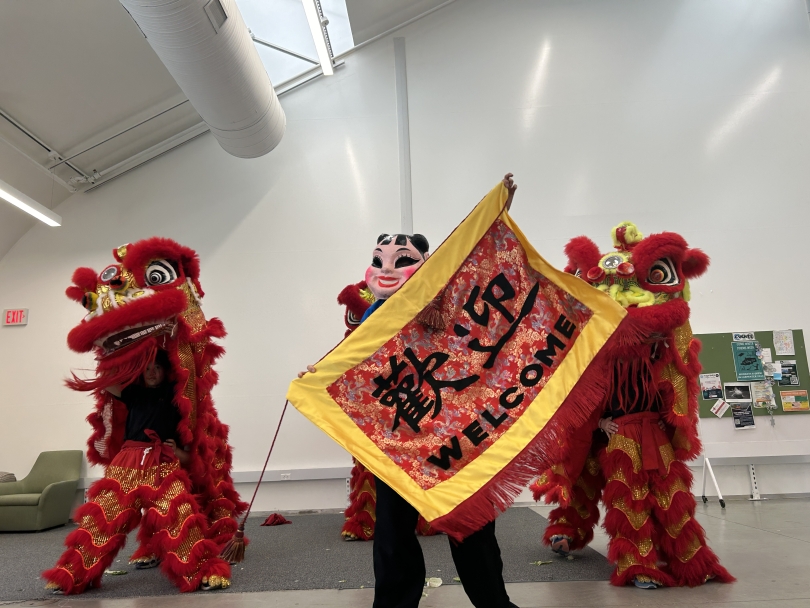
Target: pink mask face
<point>391,266</point>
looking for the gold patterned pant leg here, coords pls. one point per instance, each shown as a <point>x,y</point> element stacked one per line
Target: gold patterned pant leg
<point>681,539</point>
<point>170,514</point>
<point>628,522</point>
<point>178,531</point>
<point>104,523</point>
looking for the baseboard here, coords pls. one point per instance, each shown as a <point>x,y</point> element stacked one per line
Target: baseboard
<point>747,497</point>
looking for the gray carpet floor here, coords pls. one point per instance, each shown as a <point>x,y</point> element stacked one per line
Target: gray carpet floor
<point>308,554</point>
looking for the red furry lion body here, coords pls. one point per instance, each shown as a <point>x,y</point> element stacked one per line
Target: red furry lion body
<point>149,298</point>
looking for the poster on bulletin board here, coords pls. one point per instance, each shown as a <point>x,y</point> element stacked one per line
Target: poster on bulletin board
<point>790,373</point>
<point>721,360</point>
<point>794,401</point>
<point>747,364</point>
<point>743,415</point>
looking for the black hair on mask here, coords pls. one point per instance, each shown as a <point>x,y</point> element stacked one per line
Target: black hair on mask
<point>417,240</point>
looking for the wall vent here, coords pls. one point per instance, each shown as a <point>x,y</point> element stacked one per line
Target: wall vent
<point>216,14</point>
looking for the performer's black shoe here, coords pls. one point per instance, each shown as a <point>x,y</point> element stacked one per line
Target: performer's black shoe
<point>147,563</point>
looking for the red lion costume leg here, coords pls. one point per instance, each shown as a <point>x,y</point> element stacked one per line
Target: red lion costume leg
<point>173,527</point>
<point>651,510</point>
<point>105,520</point>
<point>681,539</point>
<point>361,514</point>
<point>629,463</point>
<point>575,484</point>
<point>576,517</point>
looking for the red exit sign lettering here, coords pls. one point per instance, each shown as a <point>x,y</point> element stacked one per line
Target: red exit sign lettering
<point>15,316</point>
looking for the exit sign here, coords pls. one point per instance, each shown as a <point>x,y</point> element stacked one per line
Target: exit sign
<point>15,316</point>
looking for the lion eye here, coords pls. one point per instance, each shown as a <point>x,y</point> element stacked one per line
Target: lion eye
<point>662,272</point>
<point>160,272</point>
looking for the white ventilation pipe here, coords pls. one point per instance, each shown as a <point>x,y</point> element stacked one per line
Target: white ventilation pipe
<point>207,48</point>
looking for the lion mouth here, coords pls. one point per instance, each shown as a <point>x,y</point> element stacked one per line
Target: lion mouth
<point>130,335</point>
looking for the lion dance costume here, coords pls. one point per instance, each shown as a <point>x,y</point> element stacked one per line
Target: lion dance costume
<point>361,513</point>
<point>639,474</point>
<point>149,299</point>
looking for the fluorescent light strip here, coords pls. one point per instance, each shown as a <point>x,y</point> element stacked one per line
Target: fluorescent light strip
<point>314,20</point>
<point>29,205</point>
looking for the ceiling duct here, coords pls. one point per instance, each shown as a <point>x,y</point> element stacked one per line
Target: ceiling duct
<point>207,48</point>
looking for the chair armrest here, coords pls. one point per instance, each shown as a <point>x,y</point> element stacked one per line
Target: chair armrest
<point>12,487</point>
<point>59,492</point>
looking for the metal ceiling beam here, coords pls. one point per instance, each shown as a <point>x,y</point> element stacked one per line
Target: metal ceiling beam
<point>39,166</point>
<point>281,49</point>
<point>28,133</point>
<point>111,137</point>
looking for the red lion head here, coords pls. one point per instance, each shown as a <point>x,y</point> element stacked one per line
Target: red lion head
<point>144,294</point>
<point>647,275</point>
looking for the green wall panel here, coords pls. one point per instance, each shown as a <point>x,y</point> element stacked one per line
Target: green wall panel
<point>716,357</point>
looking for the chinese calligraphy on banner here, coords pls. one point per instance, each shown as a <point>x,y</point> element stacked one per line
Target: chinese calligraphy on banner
<point>450,418</point>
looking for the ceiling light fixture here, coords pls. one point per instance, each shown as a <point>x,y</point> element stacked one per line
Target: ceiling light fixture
<point>29,205</point>
<point>316,26</point>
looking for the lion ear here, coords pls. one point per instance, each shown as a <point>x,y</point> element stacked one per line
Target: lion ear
<point>695,263</point>
<point>75,293</point>
<point>85,278</point>
<point>583,254</point>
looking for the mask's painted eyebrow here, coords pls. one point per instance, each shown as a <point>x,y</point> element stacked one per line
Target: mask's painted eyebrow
<point>403,249</point>
<point>378,249</point>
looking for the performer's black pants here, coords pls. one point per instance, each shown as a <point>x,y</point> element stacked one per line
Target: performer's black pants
<point>399,566</point>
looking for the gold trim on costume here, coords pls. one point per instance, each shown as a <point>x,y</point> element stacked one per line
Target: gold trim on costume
<point>643,547</point>
<point>667,455</point>
<point>636,519</point>
<point>691,550</point>
<point>683,339</point>
<point>592,465</point>
<point>628,560</point>
<point>639,492</point>
<point>665,499</point>
<point>629,447</point>
<point>675,529</point>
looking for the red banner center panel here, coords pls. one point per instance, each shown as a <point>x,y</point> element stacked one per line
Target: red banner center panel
<point>433,401</point>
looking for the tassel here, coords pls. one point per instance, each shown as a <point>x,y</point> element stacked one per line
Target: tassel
<point>431,315</point>
<point>234,551</point>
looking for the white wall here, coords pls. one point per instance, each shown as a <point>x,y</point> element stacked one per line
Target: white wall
<point>688,116</point>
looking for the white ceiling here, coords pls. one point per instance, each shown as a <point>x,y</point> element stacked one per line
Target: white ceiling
<point>82,72</point>
<point>370,18</point>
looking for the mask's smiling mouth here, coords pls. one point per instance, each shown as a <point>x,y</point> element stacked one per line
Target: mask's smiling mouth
<point>387,283</point>
<point>130,335</point>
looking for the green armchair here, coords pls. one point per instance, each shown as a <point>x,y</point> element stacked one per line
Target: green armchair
<point>44,498</point>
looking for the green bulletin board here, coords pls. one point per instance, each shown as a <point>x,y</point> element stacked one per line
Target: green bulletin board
<point>716,358</point>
